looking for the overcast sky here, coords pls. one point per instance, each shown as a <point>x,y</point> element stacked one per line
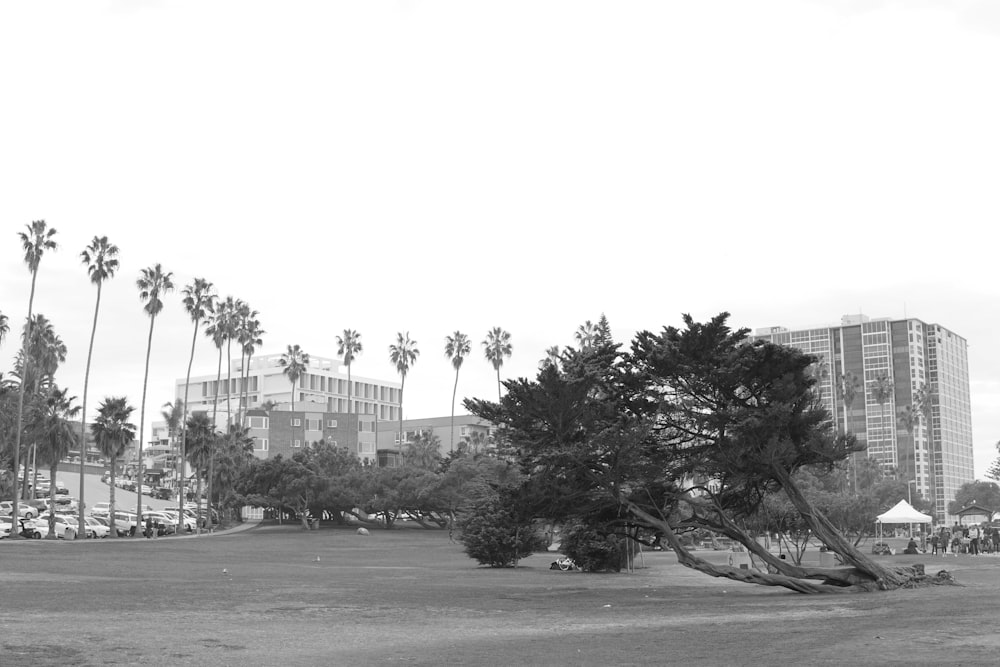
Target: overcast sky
<point>439,166</point>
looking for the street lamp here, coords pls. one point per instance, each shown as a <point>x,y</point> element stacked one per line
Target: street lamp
<point>909,499</point>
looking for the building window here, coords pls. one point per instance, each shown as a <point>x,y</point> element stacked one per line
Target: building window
<point>259,422</point>
<point>296,422</point>
<point>262,442</point>
<point>296,443</point>
<point>314,424</point>
<point>333,443</point>
<point>331,423</point>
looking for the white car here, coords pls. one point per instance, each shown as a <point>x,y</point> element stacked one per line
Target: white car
<point>66,526</point>
<point>189,523</point>
<point>23,508</point>
<point>95,528</point>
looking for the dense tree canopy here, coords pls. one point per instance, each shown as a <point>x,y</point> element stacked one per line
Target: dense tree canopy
<point>692,428</point>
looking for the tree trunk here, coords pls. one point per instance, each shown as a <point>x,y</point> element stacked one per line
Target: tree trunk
<point>20,402</point>
<point>750,576</point>
<point>355,429</point>
<point>113,531</point>
<point>52,499</point>
<point>211,447</point>
<point>840,576</point>
<point>187,387</point>
<point>885,578</point>
<point>83,413</point>
<point>454,392</point>
<point>142,420</point>
<point>198,501</point>
<point>401,386</point>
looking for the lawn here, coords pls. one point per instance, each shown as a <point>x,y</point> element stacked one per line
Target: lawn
<point>277,595</point>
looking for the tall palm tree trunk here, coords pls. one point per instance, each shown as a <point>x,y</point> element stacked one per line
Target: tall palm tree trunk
<point>355,428</point>
<point>454,392</point>
<point>142,422</point>
<point>113,532</point>
<point>183,456</point>
<point>53,469</point>
<point>401,386</point>
<point>211,446</point>
<point>498,385</point>
<point>229,382</point>
<point>83,413</point>
<point>20,399</point>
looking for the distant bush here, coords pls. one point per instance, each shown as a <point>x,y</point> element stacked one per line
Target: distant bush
<point>495,533</point>
<point>593,551</point>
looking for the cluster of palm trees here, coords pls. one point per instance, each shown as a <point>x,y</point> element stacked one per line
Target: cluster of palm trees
<point>403,355</point>
<point>224,321</point>
<point>41,352</point>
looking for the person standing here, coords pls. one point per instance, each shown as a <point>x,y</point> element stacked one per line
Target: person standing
<point>974,535</point>
<point>149,526</point>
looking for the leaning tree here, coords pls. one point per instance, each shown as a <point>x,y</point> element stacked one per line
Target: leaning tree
<point>691,429</point>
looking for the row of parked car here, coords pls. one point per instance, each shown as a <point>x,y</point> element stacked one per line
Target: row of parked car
<point>159,492</point>
<point>100,523</point>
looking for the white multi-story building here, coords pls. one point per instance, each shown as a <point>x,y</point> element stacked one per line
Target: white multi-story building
<point>902,388</point>
<point>322,389</point>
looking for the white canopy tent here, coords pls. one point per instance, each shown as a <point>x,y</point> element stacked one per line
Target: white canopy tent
<point>902,512</point>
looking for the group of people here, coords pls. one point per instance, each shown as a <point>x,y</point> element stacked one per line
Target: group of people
<point>973,540</point>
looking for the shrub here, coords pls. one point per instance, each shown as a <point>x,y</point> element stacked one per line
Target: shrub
<point>495,533</point>
<point>593,551</point>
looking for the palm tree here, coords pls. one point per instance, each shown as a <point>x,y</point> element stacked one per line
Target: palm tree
<point>152,283</point>
<point>55,435</point>
<point>295,361</point>
<point>552,358</point>
<point>35,242</point>
<point>585,335</point>
<point>497,346</point>
<point>45,352</point>
<point>232,308</point>
<point>402,355</point>
<point>199,302</point>
<point>882,392</point>
<point>173,414</point>
<point>250,338</point>
<point>218,330</point>
<point>474,444</point>
<point>847,390</point>
<point>201,434</point>
<point>424,451</point>
<point>101,259</point>
<point>456,348</point>
<point>349,346</point>
<point>113,433</point>
<point>4,327</point>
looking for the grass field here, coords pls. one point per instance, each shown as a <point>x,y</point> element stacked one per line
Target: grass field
<point>277,595</point>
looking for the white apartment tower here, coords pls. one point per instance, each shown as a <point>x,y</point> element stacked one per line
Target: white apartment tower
<point>902,388</point>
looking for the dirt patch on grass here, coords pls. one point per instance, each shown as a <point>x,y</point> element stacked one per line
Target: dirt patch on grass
<point>280,595</point>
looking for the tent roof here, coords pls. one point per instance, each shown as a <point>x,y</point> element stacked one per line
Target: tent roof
<point>903,512</point>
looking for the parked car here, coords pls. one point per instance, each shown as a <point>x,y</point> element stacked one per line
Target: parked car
<point>26,511</point>
<point>125,523</point>
<point>65,526</point>
<point>189,521</point>
<point>162,493</point>
<point>101,509</point>
<point>95,528</point>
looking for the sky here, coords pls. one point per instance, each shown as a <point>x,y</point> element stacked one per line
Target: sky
<point>428,167</point>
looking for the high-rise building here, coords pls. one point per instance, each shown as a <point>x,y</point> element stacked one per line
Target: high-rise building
<point>902,388</point>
